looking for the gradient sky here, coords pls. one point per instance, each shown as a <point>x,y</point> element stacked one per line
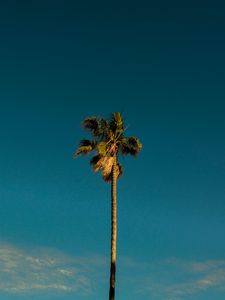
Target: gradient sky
<point>162,64</point>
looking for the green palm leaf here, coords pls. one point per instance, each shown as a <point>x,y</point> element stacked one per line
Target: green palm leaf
<point>116,123</point>
<point>109,140</point>
<point>91,124</point>
<point>130,146</point>
<point>85,147</point>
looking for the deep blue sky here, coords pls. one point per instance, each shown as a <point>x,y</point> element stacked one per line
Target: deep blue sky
<point>163,65</point>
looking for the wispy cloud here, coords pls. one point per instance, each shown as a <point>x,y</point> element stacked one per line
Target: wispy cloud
<point>45,270</point>
<point>178,279</point>
<point>38,271</point>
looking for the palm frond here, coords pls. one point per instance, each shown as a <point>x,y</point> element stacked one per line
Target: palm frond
<point>85,147</point>
<point>102,163</point>
<point>92,125</point>
<point>95,162</point>
<point>116,123</point>
<point>124,146</point>
<point>107,170</point>
<point>119,171</point>
<point>104,125</point>
<point>107,164</point>
<point>85,142</point>
<point>107,176</point>
<point>108,142</point>
<point>102,148</point>
<point>130,146</point>
<point>110,135</point>
<point>83,150</point>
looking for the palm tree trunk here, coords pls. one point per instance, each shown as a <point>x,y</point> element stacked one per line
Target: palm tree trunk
<point>113,231</point>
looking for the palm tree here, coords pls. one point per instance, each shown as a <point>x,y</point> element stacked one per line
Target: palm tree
<point>108,142</point>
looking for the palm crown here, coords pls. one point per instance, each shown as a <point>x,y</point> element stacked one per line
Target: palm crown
<point>108,141</point>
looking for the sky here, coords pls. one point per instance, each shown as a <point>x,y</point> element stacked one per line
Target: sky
<point>162,64</point>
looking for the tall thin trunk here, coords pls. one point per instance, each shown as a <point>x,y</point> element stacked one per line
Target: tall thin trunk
<point>113,231</point>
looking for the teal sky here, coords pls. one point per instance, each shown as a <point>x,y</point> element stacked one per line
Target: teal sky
<point>162,64</point>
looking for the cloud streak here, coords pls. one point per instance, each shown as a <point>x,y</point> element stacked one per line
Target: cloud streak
<point>49,271</point>
<point>42,270</point>
<point>178,279</point>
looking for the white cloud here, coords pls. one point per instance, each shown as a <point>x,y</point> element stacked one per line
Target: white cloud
<point>44,270</point>
<point>177,279</point>
<point>37,271</point>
